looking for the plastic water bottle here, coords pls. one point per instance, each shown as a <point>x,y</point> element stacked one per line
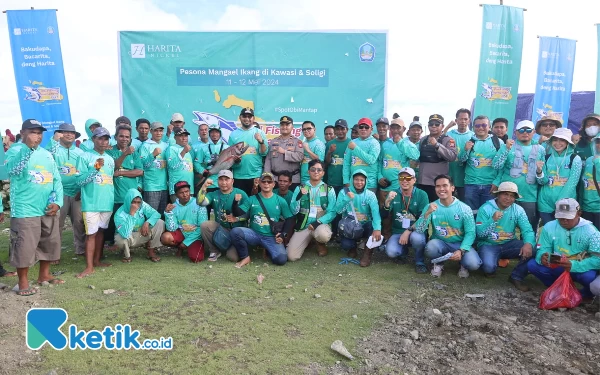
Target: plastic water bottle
<point>52,197</point>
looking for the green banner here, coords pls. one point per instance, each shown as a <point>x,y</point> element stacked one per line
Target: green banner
<point>499,63</point>
<point>211,76</point>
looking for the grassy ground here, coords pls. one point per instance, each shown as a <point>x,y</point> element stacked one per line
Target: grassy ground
<point>222,321</point>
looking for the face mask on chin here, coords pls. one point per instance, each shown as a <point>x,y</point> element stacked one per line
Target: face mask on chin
<point>592,131</point>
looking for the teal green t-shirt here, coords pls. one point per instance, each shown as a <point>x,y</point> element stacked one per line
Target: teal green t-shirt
<point>365,205</point>
<point>392,158</point>
<point>155,168</point>
<point>457,168</point>
<point>287,197</point>
<point>590,200</point>
<point>122,183</point>
<point>335,170</point>
<point>180,169</point>
<point>451,224</point>
<point>483,162</point>
<point>276,206</point>
<point>559,180</point>
<point>364,156</point>
<point>97,189</point>
<point>186,218</point>
<point>410,208</point>
<point>66,161</point>
<point>33,177</point>
<point>251,165</point>
<point>221,204</point>
<point>316,147</point>
<point>490,232</point>
<point>528,191</point>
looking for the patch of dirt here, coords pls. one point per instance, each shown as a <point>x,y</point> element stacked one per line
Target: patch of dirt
<point>504,333</point>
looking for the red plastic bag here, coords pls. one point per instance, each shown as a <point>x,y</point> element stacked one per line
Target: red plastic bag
<point>561,294</point>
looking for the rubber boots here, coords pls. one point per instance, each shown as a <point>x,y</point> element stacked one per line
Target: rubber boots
<point>365,261</point>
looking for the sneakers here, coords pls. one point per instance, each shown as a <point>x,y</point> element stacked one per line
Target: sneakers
<point>463,273</point>
<point>436,271</point>
<point>213,257</point>
<point>518,284</point>
<point>420,268</point>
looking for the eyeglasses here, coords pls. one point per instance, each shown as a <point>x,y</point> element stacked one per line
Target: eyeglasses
<point>525,130</point>
<point>548,124</point>
<point>434,124</point>
<point>316,169</point>
<point>268,182</point>
<point>405,178</point>
<point>363,127</point>
<point>307,129</point>
<point>479,126</point>
<point>247,116</point>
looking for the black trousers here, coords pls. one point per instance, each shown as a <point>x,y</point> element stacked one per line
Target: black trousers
<point>109,233</point>
<point>244,184</point>
<point>430,190</point>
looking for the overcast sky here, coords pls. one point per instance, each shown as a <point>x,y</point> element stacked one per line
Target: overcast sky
<point>432,59</point>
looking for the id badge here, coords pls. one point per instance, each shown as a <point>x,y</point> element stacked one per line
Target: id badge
<point>405,223</point>
<point>313,212</point>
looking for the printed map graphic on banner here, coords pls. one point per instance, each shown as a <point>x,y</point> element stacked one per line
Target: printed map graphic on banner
<point>210,76</point>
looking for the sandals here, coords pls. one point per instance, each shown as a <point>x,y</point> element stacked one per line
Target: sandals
<point>126,260</point>
<point>53,282</point>
<point>26,292</point>
<point>154,259</point>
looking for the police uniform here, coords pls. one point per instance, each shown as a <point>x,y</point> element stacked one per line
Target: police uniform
<point>276,162</point>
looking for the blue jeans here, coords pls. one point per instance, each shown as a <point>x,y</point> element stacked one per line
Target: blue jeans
<point>437,248</point>
<point>349,244</point>
<point>510,250</point>
<point>416,241</point>
<point>532,214</point>
<point>242,237</point>
<point>477,195</point>
<point>549,275</point>
<point>546,217</point>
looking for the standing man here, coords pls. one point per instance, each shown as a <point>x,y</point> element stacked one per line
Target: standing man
<point>127,175</point>
<point>314,148</point>
<point>484,156</point>
<point>177,122</point>
<point>62,147</point>
<point>314,206</point>
<point>329,133</point>
<point>249,165</point>
<point>36,195</point>
<point>354,132</point>
<point>142,126</point>
<point>95,171</point>
<point>461,135</point>
<point>202,135</point>
<point>520,167</point>
<point>545,127</point>
<point>415,129</point>
<point>90,125</point>
<point>497,221</point>
<point>260,230</point>
<point>362,154</point>
<point>284,182</point>
<point>334,161</point>
<point>180,162</point>
<point>286,152</point>
<point>212,150</point>
<point>500,128</point>
<point>453,229</point>
<point>395,155</point>
<point>383,126</point>
<point>154,162</point>
<point>436,151</point>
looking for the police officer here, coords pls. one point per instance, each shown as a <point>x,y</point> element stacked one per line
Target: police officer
<point>285,152</point>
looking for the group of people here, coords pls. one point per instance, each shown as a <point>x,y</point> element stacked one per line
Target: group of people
<point>455,194</point>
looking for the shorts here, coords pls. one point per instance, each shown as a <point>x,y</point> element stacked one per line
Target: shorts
<point>95,220</point>
<point>33,239</point>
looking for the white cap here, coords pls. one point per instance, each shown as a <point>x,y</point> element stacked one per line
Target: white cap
<point>176,117</point>
<point>563,133</point>
<point>525,124</point>
<point>407,170</point>
<point>566,208</point>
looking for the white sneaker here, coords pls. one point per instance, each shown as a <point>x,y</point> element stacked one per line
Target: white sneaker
<point>463,273</point>
<point>436,271</point>
<point>213,257</point>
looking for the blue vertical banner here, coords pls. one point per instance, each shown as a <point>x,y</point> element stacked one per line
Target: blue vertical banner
<point>556,63</point>
<point>38,65</point>
<point>597,99</point>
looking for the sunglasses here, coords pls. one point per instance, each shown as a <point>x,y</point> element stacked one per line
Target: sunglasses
<point>434,124</point>
<point>268,182</point>
<point>525,130</point>
<point>247,116</point>
<point>405,178</point>
<point>480,126</point>
<point>548,124</point>
<point>307,129</point>
<point>316,169</point>
<point>364,127</point>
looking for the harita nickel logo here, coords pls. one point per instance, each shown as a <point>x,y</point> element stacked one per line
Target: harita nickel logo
<point>366,52</point>
<point>138,51</point>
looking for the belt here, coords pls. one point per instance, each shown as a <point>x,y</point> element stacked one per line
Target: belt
<point>293,173</point>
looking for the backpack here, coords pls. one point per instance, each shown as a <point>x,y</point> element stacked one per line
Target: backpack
<point>573,155</point>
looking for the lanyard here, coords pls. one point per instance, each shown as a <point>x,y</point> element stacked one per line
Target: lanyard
<point>557,164</point>
<point>314,192</point>
<point>407,205</point>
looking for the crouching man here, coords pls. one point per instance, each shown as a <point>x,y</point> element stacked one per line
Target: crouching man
<point>221,202</point>
<point>314,206</point>
<point>453,229</point>
<point>137,224</point>
<point>182,220</point>
<point>570,243</point>
<point>263,211</point>
<point>496,222</point>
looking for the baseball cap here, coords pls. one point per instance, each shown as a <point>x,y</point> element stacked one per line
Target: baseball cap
<point>32,124</point>
<point>341,122</point>
<point>266,175</point>
<point>436,118</point>
<point>366,121</point>
<point>286,119</point>
<point>180,185</point>
<point>100,132</point>
<point>214,127</point>
<point>180,131</point>
<point>225,173</point>
<point>247,111</point>
<point>122,120</point>
<point>407,170</point>
<point>398,121</point>
<point>509,187</point>
<point>157,125</point>
<point>525,124</point>
<point>566,208</point>
<point>68,128</point>
<point>383,120</point>
<point>177,117</point>
<point>415,123</point>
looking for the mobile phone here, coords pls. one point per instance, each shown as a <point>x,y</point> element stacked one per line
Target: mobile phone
<point>555,258</point>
